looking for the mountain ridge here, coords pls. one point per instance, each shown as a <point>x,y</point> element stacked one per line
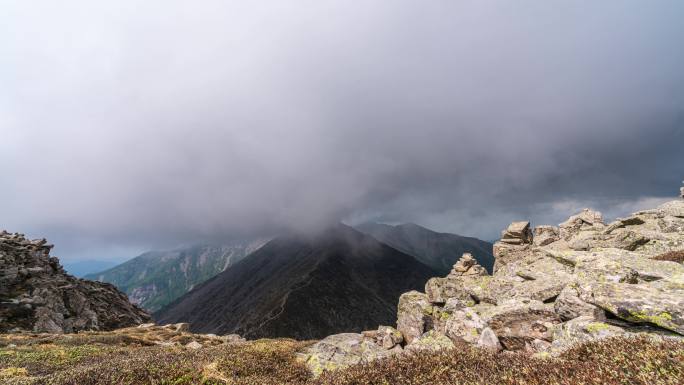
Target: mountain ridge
<point>439,250</point>
<point>303,287</point>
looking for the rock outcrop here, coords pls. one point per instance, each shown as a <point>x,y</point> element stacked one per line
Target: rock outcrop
<point>552,287</point>
<point>342,350</point>
<point>555,286</point>
<point>37,295</point>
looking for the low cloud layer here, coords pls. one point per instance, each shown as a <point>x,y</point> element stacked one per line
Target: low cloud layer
<point>127,126</point>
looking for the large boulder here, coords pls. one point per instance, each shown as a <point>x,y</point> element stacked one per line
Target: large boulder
<point>586,328</point>
<point>673,208</point>
<point>430,341</point>
<point>519,322</point>
<point>464,324</point>
<point>639,303</point>
<point>439,290</point>
<point>586,220</point>
<point>517,233</point>
<point>581,329</point>
<point>414,315</point>
<point>569,306</point>
<point>342,350</point>
<point>545,235</point>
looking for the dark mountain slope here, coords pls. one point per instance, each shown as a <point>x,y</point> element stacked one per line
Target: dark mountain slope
<point>303,287</point>
<point>437,250</point>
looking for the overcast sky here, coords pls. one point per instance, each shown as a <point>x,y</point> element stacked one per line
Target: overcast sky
<point>131,125</point>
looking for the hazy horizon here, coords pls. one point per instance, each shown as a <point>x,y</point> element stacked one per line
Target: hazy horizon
<point>127,126</point>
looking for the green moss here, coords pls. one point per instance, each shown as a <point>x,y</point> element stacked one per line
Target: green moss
<point>596,327</point>
<point>663,319</point>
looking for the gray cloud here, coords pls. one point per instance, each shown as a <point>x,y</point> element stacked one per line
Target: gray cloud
<point>127,126</point>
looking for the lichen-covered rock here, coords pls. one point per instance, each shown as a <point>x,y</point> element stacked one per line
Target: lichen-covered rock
<point>439,290</point>
<point>414,315</point>
<point>432,341</point>
<point>582,329</point>
<point>464,324</point>
<point>586,220</point>
<point>639,303</point>
<point>388,337</point>
<point>518,322</point>
<point>544,235</point>
<point>38,295</point>
<point>585,328</point>
<point>342,350</point>
<point>628,239</point>
<point>568,305</point>
<point>506,253</point>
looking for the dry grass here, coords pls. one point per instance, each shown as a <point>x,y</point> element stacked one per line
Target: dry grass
<point>673,256</point>
<point>613,361</point>
<point>270,362</point>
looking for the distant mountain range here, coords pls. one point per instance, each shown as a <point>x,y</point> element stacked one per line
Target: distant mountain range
<point>82,268</point>
<point>154,279</point>
<point>303,287</point>
<point>438,250</point>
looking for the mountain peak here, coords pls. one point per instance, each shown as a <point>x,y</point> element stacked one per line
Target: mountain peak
<point>304,287</point>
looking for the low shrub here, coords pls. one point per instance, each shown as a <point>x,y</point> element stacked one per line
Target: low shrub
<point>673,256</point>
<point>270,362</point>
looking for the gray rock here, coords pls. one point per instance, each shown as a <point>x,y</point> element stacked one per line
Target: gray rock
<point>586,220</point>
<point>544,235</point>
<point>431,341</point>
<point>639,303</point>
<point>628,240</point>
<point>673,208</point>
<point>413,315</point>
<point>518,322</point>
<point>388,337</point>
<point>568,305</point>
<point>517,233</point>
<point>39,296</point>
<point>464,324</point>
<point>439,290</point>
<point>340,351</point>
<point>489,341</point>
<point>194,345</point>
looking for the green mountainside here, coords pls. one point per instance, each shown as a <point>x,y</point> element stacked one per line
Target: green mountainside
<point>156,278</point>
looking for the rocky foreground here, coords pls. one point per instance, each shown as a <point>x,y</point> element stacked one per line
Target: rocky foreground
<point>170,355</point>
<point>552,287</point>
<point>37,295</point>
